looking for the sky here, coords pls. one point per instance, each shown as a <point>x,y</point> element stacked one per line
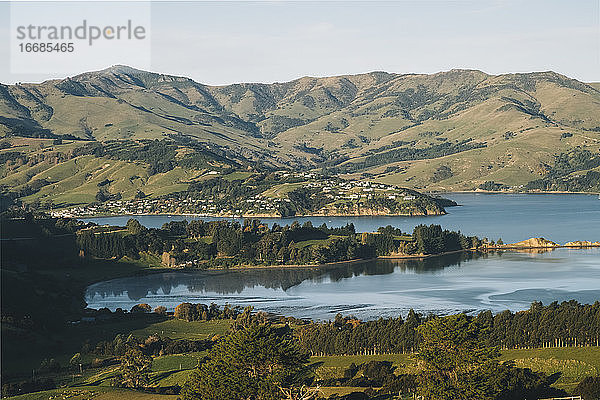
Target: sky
<point>227,42</point>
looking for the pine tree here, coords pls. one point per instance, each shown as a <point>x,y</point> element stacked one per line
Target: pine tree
<point>134,370</point>
<point>261,362</point>
<point>452,354</point>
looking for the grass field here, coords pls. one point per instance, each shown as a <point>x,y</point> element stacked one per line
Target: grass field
<point>177,362</point>
<point>93,392</point>
<point>345,361</point>
<point>313,242</point>
<point>169,370</point>
<point>237,175</point>
<point>179,329</point>
<point>589,355</point>
<point>574,363</point>
<point>280,191</point>
<point>334,366</point>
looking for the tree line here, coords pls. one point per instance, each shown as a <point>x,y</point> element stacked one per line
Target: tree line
<point>224,243</point>
<point>408,153</point>
<point>266,361</point>
<point>554,325</point>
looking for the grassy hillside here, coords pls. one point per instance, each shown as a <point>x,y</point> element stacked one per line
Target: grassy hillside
<point>73,172</point>
<point>452,130</point>
<point>176,175</point>
<point>95,392</point>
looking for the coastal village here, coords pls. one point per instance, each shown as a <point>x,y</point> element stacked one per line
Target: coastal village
<point>337,194</point>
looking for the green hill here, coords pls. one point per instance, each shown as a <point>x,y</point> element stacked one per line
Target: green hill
<point>453,130</point>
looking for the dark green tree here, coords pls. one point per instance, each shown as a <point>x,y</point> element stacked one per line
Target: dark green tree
<point>141,308</point>
<point>134,227</point>
<point>589,388</point>
<point>262,362</point>
<point>134,370</point>
<point>452,354</point>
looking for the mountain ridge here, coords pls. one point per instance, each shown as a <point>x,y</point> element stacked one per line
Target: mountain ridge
<point>394,128</point>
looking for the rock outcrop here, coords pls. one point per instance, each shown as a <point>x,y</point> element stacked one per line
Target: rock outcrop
<point>582,243</point>
<point>534,243</point>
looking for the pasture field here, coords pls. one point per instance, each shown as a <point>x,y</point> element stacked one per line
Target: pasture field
<point>93,392</point>
<point>574,363</point>
<point>180,329</point>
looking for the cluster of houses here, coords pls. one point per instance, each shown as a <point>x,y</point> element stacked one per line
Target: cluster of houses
<point>354,190</point>
<point>190,205</point>
<point>260,204</point>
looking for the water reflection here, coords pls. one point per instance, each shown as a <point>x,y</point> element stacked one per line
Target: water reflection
<point>235,282</point>
<point>377,288</point>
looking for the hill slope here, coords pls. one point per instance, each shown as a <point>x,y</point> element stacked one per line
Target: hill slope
<point>447,131</point>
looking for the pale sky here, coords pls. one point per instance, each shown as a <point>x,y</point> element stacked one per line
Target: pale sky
<point>229,42</point>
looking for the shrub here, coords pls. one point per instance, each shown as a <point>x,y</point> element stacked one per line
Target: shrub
<point>141,308</point>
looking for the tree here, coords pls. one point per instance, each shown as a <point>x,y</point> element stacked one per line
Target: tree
<point>261,362</point>
<point>429,239</point>
<point>75,360</point>
<point>134,227</point>
<point>141,308</point>
<point>456,364</point>
<point>134,370</point>
<point>589,388</point>
<point>452,353</point>
<point>101,196</point>
<point>185,311</point>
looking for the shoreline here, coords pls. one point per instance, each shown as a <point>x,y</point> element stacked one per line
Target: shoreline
<point>361,260</point>
<point>150,270</point>
<point>508,192</point>
<point>271,216</point>
<point>293,266</point>
<point>390,257</point>
<point>255,216</point>
<point>560,246</point>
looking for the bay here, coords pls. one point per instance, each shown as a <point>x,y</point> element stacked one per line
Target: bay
<point>376,288</point>
<point>512,217</point>
<point>384,287</point>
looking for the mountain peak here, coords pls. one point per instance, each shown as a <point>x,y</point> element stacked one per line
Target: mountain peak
<point>383,125</point>
<point>122,69</point>
<point>117,70</point>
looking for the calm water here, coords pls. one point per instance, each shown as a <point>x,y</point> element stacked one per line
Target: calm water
<point>499,281</point>
<point>512,217</point>
<point>508,280</point>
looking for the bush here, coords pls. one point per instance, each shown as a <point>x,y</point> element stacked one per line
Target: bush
<point>589,388</point>
<point>16,388</point>
<point>141,308</point>
<point>161,310</point>
<point>50,365</point>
